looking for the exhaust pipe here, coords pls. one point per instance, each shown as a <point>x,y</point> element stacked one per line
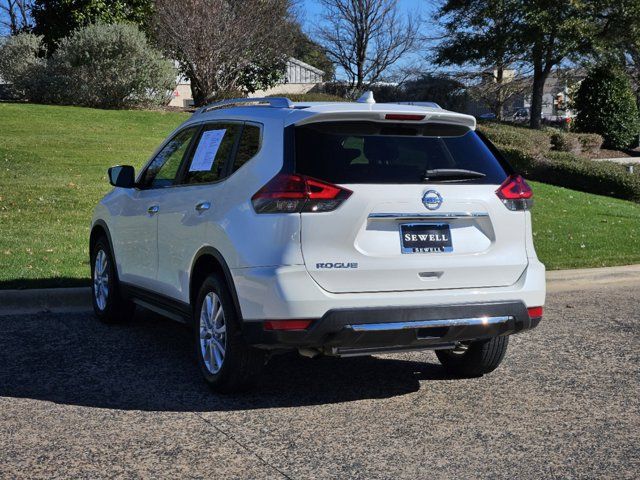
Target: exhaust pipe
<point>309,352</point>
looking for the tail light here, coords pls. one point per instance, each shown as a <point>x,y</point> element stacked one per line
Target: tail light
<point>515,193</point>
<point>535,312</point>
<point>289,325</point>
<point>403,116</point>
<point>287,193</point>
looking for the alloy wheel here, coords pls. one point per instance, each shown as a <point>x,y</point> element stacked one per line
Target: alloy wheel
<point>101,279</point>
<point>213,333</point>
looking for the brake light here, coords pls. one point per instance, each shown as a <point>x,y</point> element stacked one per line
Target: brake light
<point>286,324</point>
<point>515,193</point>
<point>535,312</point>
<point>403,116</point>
<point>287,193</point>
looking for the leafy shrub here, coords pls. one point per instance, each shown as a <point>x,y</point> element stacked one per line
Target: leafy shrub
<point>565,142</point>
<point>536,142</point>
<point>109,66</point>
<point>339,89</point>
<point>21,60</point>
<point>566,170</point>
<point>101,65</point>
<point>590,143</point>
<point>607,105</point>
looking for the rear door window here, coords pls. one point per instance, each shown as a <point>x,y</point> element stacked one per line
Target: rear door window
<point>210,156</point>
<point>373,152</point>
<point>248,146</point>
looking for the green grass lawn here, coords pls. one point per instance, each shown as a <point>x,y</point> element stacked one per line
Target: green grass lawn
<point>53,163</point>
<point>579,230</point>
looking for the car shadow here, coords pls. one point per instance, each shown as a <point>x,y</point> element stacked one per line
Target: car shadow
<point>148,365</point>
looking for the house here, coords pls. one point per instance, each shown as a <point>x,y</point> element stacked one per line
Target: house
<point>560,85</point>
<point>299,77</point>
<point>556,97</point>
<point>486,89</point>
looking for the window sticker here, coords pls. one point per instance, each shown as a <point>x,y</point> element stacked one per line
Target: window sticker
<point>207,149</point>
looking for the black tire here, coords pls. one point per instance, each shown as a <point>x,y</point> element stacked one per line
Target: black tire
<point>241,364</point>
<point>116,308</point>
<point>479,358</point>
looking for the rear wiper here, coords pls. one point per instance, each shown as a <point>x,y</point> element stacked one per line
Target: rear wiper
<point>451,174</point>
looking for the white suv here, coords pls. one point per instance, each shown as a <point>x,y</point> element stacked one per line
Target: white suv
<point>328,228</point>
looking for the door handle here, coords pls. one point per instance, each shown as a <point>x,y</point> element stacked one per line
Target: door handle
<point>203,206</point>
<point>153,209</point>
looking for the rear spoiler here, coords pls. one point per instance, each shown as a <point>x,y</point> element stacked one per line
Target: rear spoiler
<point>430,116</point>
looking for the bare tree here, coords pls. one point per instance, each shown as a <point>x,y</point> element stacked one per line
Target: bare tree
<point>226,46</point>
<point>15,16</point>
<point>366,37</point>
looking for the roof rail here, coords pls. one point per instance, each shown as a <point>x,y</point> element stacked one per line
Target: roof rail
<point>275,102</point>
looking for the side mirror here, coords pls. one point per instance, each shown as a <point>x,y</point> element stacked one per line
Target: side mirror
<point>122,176</point>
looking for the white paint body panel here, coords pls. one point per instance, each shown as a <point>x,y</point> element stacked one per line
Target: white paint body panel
<point>487,251</point>
<point>182,232</point>
<point>134,234</point>
<point>290,292</point>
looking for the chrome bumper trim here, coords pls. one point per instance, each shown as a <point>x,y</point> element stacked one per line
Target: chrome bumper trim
<point>429,216</point>
<point>456,322</point>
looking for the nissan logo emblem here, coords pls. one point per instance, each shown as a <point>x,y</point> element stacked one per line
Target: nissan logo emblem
<point>432,200</point>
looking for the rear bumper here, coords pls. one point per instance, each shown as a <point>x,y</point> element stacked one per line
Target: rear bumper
<point>288,292</point>
<point>355,331</point>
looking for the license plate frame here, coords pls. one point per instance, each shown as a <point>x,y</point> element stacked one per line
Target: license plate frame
<point>426,245</point>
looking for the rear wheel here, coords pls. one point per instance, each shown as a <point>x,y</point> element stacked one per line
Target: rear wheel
<point>473,359</point>
<point>108,304</point>
<point>226,361</point>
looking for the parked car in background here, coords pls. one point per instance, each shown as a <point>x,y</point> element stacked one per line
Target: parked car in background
<point>339,229</point>
<point>563,119</point>
<point>487,116</point>
<point>521,115</point>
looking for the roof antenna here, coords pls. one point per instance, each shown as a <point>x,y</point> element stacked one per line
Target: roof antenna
<point>367,97</point>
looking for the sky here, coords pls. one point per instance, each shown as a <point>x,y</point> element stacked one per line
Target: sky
<point>313,6</point>
<point>310,11</point>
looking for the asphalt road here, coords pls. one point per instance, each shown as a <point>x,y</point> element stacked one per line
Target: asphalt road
<point>82,400</point>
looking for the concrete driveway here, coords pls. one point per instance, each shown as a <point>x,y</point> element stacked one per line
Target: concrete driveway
<point>84,400</point>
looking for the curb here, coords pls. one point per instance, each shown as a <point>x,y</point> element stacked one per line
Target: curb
<point>42,300</point>
<point>78,299</point>
<point>620,160</point>
<point>592,278</point>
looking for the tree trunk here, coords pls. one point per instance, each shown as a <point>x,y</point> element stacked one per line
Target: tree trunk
<point>198,91</point>
<point>199,96</point>
<point>360,75</point>
<point>499,107</point>
<point>539,78</point>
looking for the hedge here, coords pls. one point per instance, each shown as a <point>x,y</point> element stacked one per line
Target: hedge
<point>564,142</point>
<point>564,169</point>
<point>541,141</point>
<point>535,142</point>
<point>562,159</point>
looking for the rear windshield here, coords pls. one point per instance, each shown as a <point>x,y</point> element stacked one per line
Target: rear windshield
<point>370,152</point>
